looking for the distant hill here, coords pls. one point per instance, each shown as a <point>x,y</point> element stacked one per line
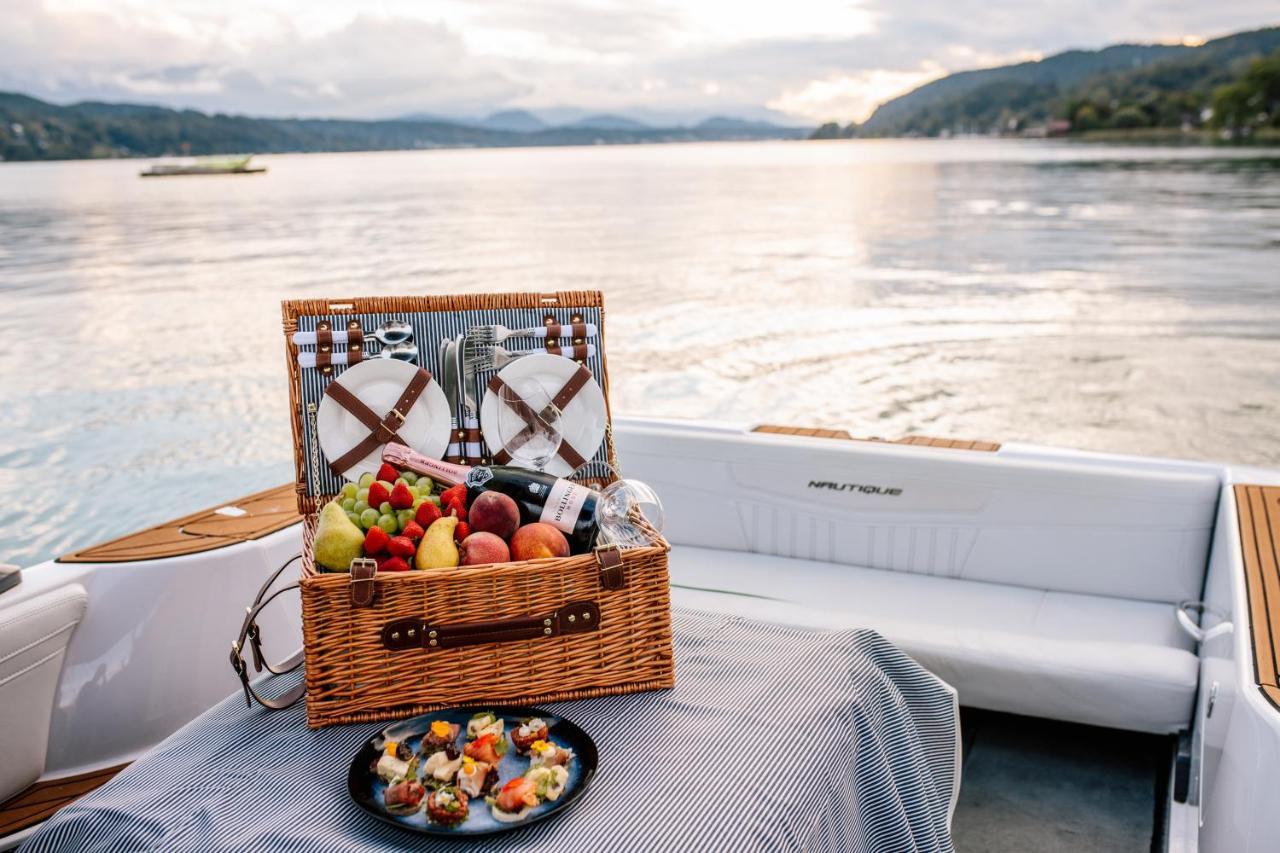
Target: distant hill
<point>605,121</point>
<point>516,121</point>
<point>1164,85</point>
<point>32,129</point>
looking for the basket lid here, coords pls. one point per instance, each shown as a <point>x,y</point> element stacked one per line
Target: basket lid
<point>323,337</point>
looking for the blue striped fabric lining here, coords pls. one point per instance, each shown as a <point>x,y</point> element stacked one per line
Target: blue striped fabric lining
<point>428,329</point>
<point>774,738</point>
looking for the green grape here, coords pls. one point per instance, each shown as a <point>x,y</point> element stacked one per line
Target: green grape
<point>360,506</point>
<point>419,501</point>
<point>349,504</point>
<point>389,524</point>
<point>413,490</point>
<point>400,480</point>
<point>385,507</point>
<point>435,499</point>
<point>425,486</point>
<point>386,485</point>
<point>369,518</point>
<point>349,490</point>
<point>355,519</point>
<point>365,479</point>
<point>362,495</point>
<point>409,477</point>
<point>404,516</point>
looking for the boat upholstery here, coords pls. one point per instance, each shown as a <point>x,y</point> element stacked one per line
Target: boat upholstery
<point>34,634</point>
<point>1089,659</point>
<point>1034,584</point>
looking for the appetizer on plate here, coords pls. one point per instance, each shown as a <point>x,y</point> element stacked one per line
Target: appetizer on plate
<point>527,732</point>
<point>442,765</point>
<point>548,781</point>
<point>391,769</point>
<point>404,797</point>
<point>544,753</point>
<point>439,735</point>
<point>516,799</point>
<point>477,778</point>
<point>483,723</point>
<point>488,748</point>
<point>447,806</point>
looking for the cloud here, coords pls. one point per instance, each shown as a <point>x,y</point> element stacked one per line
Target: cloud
<point>808,59</point>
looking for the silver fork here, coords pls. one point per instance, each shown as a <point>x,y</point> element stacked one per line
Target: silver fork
<point>489,357</point>
<point>496,334</point>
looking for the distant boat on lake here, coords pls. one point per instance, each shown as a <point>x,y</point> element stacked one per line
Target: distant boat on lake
<point>204,166</point>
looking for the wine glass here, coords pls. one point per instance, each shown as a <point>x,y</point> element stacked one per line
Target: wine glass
<point>528,423</point>
<point>628,513</point>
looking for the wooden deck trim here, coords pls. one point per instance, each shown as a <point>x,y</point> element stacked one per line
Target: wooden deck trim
<point>1258,515</point>
<point>41,800</point>
<point>914,440</point>
<point>265,513</point>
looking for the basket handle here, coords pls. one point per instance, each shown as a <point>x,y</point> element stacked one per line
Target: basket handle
<point>251,633</point>
<point>575,617</point>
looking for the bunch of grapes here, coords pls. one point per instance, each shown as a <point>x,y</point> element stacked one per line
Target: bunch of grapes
<point>391,505</point>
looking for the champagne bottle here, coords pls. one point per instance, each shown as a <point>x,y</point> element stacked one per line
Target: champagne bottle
<point>567,506</point>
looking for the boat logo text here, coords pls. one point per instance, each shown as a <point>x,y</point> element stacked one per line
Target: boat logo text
<point>860,488</point>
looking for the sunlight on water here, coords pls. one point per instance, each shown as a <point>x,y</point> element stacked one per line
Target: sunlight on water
<point>1121,299</point>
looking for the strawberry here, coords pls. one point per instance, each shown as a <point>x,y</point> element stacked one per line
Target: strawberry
<point>427,513</point>
<point>413,530</point>
<point>387,473</point>
<point>393,564</point>
<point>454,493</point>
<point>457,510</point>
<point>462,531</point>
<point>375,541</point>
<point>401,546</point>
<point>378,494</point>
<point>401,497</point>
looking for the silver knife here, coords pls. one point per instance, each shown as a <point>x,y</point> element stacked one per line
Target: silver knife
<point>449,382</point>
<point>470,410</point>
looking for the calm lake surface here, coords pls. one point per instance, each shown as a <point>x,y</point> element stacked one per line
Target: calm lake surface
<point>1111,298</point>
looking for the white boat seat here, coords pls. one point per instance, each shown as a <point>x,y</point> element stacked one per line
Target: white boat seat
<point>1116,662</point>
<point>33,641</point>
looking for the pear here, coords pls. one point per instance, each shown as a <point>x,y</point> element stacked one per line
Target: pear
<point>338,541</point>
<point>438,550</point>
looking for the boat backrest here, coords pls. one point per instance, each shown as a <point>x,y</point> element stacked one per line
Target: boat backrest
<point>1095,527</point>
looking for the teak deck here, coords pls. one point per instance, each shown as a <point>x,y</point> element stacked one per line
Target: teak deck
<point>917,440</point>
<point>1258,511</point>
<point>263,513</point>
<point>42,799</point>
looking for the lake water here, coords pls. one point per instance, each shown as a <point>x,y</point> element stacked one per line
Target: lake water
<point>1111,298</point>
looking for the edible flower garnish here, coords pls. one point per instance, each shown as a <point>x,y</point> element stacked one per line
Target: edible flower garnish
<point>390,748</point>
<point>440,728</point>
<point>539,746</point>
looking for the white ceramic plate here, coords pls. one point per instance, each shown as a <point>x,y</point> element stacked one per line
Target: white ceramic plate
<point>378,383</point>
<point>581,422</point>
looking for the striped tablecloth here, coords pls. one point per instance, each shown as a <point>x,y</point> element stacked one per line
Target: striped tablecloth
<point>774,739</point>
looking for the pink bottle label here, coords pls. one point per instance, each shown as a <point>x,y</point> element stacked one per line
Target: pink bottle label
<point>564,504</point>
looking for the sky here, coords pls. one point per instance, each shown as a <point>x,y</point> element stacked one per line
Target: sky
<point>667,61</point>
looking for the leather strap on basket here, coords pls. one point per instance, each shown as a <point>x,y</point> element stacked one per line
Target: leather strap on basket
<point>612,574</point>
<point>575,617</point>
<point>571,456</point>
<point>381,430</point>
<point>324,347</point>
<point>251,633</point>
<point>355,343</point>
<point>363,570</point>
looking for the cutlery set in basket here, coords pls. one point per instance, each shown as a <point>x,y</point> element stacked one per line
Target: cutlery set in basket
<point>448,378</point>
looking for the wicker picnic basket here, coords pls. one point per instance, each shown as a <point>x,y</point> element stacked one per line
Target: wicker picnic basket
<point>403,643</point>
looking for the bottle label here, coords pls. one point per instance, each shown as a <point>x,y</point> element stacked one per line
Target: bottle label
<point>564,505</point>
<point>477,477</point>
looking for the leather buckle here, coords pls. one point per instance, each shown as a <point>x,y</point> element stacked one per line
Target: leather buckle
<point>612,574</point>
<point>363,570</point>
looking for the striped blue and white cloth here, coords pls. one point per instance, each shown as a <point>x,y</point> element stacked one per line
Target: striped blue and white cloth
<point>774,739</point>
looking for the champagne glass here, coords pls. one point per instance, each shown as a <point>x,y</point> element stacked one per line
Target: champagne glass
<point>628,513</point>
<point>528,423</point>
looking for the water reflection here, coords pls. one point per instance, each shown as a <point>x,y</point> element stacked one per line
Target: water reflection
<point>1102,297</point>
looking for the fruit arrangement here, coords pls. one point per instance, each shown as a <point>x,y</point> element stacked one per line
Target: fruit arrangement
<point>398,519</point>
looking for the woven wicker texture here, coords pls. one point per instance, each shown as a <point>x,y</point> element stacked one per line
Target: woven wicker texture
<point>351,677</point>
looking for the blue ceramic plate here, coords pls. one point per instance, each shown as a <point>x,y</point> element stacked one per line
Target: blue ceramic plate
<point>366,788</point>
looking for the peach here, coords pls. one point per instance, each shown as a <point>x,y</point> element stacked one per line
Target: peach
<point>494,512</point>
<point>480,548</point>
<point>538,540</point>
